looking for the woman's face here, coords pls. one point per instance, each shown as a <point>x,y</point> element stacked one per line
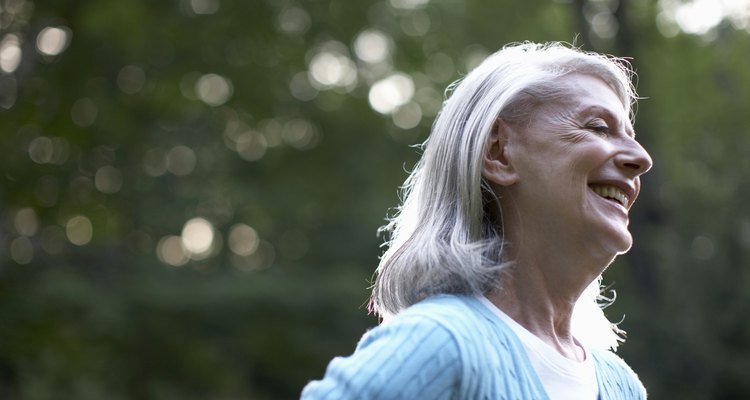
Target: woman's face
<point>578,166</point>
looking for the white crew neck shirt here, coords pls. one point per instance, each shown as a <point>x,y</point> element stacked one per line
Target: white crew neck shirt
<point>562,378</point>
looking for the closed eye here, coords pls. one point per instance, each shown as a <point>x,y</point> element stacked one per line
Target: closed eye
<point>598,126</point>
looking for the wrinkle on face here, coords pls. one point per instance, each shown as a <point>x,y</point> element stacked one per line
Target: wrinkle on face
<point>563,123</point>
<point>570,119</point>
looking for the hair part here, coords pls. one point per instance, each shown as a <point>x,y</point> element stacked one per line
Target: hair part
<point>447,235</point>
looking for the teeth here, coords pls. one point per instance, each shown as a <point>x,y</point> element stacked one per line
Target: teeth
<point>611,192</point>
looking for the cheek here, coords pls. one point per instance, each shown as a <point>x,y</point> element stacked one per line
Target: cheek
<point>579,168</point>
<point>593,155</point>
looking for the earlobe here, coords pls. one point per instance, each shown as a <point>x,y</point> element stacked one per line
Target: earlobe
<point>498,160</point>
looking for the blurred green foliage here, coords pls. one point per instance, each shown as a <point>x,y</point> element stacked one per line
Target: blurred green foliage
<point>191,189</point>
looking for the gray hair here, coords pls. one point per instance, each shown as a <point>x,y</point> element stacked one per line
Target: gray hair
<point>446,236</point>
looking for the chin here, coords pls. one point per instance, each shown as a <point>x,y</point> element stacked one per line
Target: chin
<point>616,244</point>
<point>623,251</point>
<point>624,245</point>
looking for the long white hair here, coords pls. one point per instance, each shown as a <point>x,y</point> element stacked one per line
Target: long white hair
<point>447,236</point>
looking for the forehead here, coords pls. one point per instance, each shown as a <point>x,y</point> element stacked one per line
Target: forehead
<point>590,96</point>
<point>588,90</point>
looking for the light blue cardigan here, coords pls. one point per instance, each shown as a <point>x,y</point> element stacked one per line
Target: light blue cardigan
<point>452,347</point>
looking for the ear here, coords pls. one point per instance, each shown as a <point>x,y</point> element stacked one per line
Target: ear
<point>498,163</point>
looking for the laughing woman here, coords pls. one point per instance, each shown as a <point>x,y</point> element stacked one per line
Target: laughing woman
<point>489,286</point>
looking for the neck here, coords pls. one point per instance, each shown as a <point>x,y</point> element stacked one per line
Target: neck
<point>541,297</point>
<point>549,272</point>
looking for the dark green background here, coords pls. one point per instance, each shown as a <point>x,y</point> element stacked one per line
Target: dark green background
<point>108,320</point>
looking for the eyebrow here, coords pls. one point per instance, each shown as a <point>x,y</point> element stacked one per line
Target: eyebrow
<point>608,115</point>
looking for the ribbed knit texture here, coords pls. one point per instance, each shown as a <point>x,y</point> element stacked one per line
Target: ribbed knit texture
<point>452,347</point>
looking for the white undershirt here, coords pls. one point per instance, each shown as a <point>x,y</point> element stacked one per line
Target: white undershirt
<point>562,378</point>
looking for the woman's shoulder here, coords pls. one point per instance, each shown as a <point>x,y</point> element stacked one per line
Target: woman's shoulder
<point>413,355</point>
<point>477,337</point>
<point>463,316</point>
<point>616,378</point>
<point>446,346</point>
<point>449,310</point>
<point>449,317</point>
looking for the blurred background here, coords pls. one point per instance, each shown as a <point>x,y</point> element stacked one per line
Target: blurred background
<point>191,189</point>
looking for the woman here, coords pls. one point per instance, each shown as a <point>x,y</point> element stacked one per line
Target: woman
<point>490,283</point>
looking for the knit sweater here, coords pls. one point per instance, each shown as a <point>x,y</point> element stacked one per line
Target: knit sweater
<point>452,347</point>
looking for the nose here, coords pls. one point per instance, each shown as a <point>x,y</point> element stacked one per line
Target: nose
<point>634,158</point>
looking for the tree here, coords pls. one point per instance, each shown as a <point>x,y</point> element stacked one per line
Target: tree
<point>191,189</point>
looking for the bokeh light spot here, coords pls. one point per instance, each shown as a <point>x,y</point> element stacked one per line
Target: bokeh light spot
<point>263,257</point>
<point>181,160</point>
<point>440,67</point>
<point>154,162</point>
<point>251,146</point>
<point>372,46</point>
<point>26,222</point>
<point>41,150</point>
<point>198,236</point>
<point>294,20</point>
<point>10,53</point>
<point>300,133</point>
<point>49,150</point>
<point>408,4</point>
<point>204,7</point>
<point>416,24</point>
<point>390,93</point>
<point>131,79</point>
<point>108,179</point>
<point>170,251</point>
<point>300,87</point>
<point>84,112</point>
<point>52,41</point>
<point>604,25</point>
<point>700,17</point>
<point>79,230</point>
<point>407,116</point>
<point>429,100</point>
<point>21,250</point>
<point>331,68</point>
<point>243,240</point>
<point>214,89</point>
<point>271,129</point>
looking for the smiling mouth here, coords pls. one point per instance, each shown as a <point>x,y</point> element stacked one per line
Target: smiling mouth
<point>612,193</point>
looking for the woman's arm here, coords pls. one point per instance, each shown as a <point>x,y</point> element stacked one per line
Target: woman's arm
<point>408,358</point>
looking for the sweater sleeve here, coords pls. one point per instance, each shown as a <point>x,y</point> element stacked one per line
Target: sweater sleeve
<point>409,358</point>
